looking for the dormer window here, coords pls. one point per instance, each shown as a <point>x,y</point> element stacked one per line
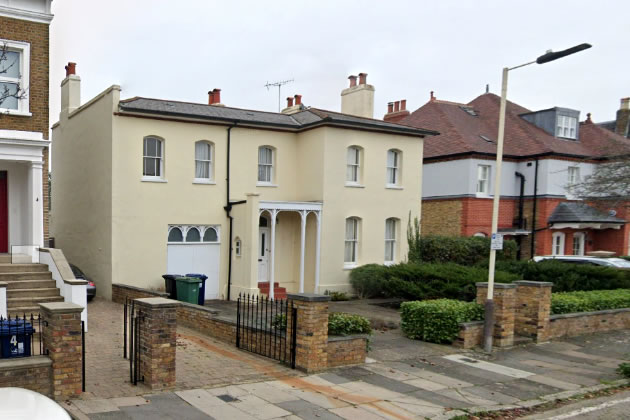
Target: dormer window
<point>566,127</point>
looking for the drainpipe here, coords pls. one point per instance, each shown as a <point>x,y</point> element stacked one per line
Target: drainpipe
<point>533,247</point>
<point>520,213</point>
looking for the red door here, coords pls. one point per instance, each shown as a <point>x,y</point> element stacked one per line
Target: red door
<point>4,213</point>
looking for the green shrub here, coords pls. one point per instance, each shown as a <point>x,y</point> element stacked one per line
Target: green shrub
<point>624,369</point>
<point>625,257</point>
<point>413,281</point>
<point>340,323</point>
<point>437,321</point>
<point>337,296</point>
<point>456,249</point>
<point>597,300</point>
<point>280,322</point>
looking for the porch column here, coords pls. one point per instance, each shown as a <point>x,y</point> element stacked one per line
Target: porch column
<point>37,204</point>
<point>272,281</point>
<point>317,249</point>
<point>303,215</point>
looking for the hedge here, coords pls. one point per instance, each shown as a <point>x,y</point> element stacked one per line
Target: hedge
<point>412,281</point>
<point>597,300</point>
<point>437,321</point>
<point>340,323</point>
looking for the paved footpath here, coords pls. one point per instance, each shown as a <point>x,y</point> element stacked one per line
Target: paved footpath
<point>415,381</point>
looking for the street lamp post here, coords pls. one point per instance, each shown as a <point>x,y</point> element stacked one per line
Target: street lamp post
<point>489,306</point>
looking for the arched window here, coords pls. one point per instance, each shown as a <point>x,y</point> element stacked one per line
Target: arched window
<point>175,235</point>
<point>262,221</point>
<point>351,241</point>
<point>193,235</point>
<point>152,162</point>
<point>204,169</point>
<point>353,165</point>
<point>237,246</point>
<point>394,158</point>
<point>557,243</point>
<point>210,235</point>
<point>390,240</point>
<point>480,235</point>
<point>265,164</point>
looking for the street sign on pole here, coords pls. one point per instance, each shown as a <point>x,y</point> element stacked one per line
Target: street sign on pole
<point>496,242</point>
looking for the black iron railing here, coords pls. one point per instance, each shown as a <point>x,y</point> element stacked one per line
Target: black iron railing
<point>267,327</point>
<point>131,345</point>
<point>21,336</point>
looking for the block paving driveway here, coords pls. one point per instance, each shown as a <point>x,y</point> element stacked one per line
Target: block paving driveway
<point>404,380</point>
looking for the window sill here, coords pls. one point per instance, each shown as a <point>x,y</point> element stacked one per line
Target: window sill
<point>388,263</point>
<point>482,195</point>
<point>203,181</point>
<point>153,179</point>
<point>15,112</point>
<point>266,184</point>
<point>354,185</point>
<point>350,266</point>
<point>393,187</point>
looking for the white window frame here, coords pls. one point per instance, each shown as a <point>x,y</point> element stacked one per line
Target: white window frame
<point>390,242</point>
<point>238,245</point>
<point>557,243</point>
<point>209,162</point>
<point>573,175</point>
<point>579,239</point>
<point>566,127</point>
<point>153,178</point>
<point>184,229</point>
<point>392,173</point>
<point>352,241</point>
<point>271,165</point>
<point>483,184</point>
<point>24,48</point>
<point>353,166</point>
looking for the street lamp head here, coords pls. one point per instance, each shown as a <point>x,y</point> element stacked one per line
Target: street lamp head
<point>550,56</point>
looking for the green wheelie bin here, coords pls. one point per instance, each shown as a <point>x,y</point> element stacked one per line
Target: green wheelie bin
<point>188,289</point>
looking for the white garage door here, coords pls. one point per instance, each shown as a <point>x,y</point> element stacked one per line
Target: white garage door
<point>195,249</point>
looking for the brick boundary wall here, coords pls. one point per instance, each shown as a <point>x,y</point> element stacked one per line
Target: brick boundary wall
<point>344,351</point>
<point>470,335</point>
<point>571,325</point>
<point>504,309</point>
<point>34,373</point>
<point>206,321</point>
<point>122,291</point>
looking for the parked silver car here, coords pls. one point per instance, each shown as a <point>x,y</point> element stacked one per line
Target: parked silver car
<point>585,260</point>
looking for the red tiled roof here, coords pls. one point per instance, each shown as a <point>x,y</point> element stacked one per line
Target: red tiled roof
<point>460,132</point>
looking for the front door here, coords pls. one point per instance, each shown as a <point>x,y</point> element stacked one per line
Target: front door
<point>263,255</point>
<point>4,213</point>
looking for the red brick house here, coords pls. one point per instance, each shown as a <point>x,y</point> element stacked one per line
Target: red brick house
<point>544,153</point>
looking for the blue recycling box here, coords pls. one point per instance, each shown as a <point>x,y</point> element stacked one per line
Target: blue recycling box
<point>15,338</point>
<point>202,289</point>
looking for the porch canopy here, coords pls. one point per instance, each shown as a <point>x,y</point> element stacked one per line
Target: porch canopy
<point>303,208</point>
<point>582,216</point>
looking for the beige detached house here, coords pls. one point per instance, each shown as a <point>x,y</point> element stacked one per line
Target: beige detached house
<point>144,187</point>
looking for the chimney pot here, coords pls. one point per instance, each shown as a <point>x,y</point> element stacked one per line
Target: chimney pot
<point>353,80</point>
<point>588,118</point>
<point>216,96</point>
<point>71,68</point>
<point>390,107</point>
<point>432,97</point>
<point>289,102</point>
<point>362,78</point>
<point>625,103</point>
<point>396,106</point>
<point>210,97</point>
<point>403,105</point>
<point>298,99</point>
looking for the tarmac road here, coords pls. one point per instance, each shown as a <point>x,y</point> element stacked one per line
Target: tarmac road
<point>614,407</point>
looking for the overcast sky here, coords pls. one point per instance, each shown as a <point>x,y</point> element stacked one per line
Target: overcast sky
<point>179,50</point>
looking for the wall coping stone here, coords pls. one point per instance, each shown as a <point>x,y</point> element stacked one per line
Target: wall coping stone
<point>140,289</point>
<point>3,284</point>
<point>61,307</point>
<point>497,285</point>
<point>470,324</point>
<point>63,266</point>
<point>308,297</point>
<point>347,337</point>
<point>24,363</point>
<point>199,307</point>
<point>159,302</point>
<point>533,283</point>
<point>581,314</point>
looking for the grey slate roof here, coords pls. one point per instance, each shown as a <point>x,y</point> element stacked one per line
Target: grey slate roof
<point>580,213</point>
<point>609,125</point>
<point>304,119</point>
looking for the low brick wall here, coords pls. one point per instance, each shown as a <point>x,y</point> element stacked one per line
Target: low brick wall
<point>206,321</point>
<point>34,373</point>
<point>343,351</point>
<point>122,291</point>
<point>571,325</point>
<point>470,335</point>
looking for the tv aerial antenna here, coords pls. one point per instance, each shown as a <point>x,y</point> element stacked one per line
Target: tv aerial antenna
<point>279,86</point>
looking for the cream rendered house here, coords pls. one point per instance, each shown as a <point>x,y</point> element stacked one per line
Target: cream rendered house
<point>144,187</point>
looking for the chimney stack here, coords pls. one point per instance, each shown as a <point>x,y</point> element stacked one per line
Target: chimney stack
<point>396,111</point>
<point>433,98</point>
<point>294,104</point>
<point>625,103</point>
<point>289,101</point>
<point>298,99</point>
<point>210,97</point>
<point>623,118</point>
<point>358,99</point>
<point>390,107</point>
<point>403,104</point>
<point>216,96</point>
<point>397,106</point>
<point>70,91</point>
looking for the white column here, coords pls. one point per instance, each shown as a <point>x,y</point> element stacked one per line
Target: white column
<point>303,215</point>
<point>3,300</point>
<point>274,213</point>
<point>37,204</point>
<point>318,249</point>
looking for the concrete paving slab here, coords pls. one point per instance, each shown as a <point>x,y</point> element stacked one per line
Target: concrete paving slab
<point>437,398</point>
<point>418,406</point>
<point>334,378</point>
<point>389,384</point>
<point>450,382</point>
<point>258,408</point>
<point>317,399</point>
<point>228,412</point>
<point>388,410</point>
<point>556,383</point>
<point>129,401</point>
<point>489,394</point>
<point>268,393</point>
<point>95,406</point>
<point>355,412</point>
<point>308,411</point>
<point>201,400</point>
<point>390,372</point>
<point>371,390</point>
<point>491,367</point>
<point>523,389</point>
<point>459,394</point>
<point>426,384</point>
<point>231,390</point>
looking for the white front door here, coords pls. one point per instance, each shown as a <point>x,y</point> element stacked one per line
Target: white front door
<point>263,255</point>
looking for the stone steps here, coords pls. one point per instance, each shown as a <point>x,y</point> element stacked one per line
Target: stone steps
<point>33,293</point>
<point>26,275</point>
<point>278,292</point>
<point>21,268</point>
<point>31,284</point>
<point>30,301</point>
<point>20,311</point>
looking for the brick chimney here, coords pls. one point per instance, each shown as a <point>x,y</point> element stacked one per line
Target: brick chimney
<point>358,99</point>
<point>294,104</point>
<point>70,91</point>
<point>214,97</point>
<point>396,111</point>
<point>623,118</point>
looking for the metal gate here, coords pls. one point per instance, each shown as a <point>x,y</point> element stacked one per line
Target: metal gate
<point>131,345</point>
<point>267,327</point>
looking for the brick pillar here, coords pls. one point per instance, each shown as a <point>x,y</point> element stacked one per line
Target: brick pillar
<point>61,337</point>
<point>312,331</point>
<point>504,303</point>
<point>157,326</point>
<point>533,308</point>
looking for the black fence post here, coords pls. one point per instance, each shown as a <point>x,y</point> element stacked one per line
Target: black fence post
<point>125,328</point>
<point>293,335</point>
<point>83,354</point>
